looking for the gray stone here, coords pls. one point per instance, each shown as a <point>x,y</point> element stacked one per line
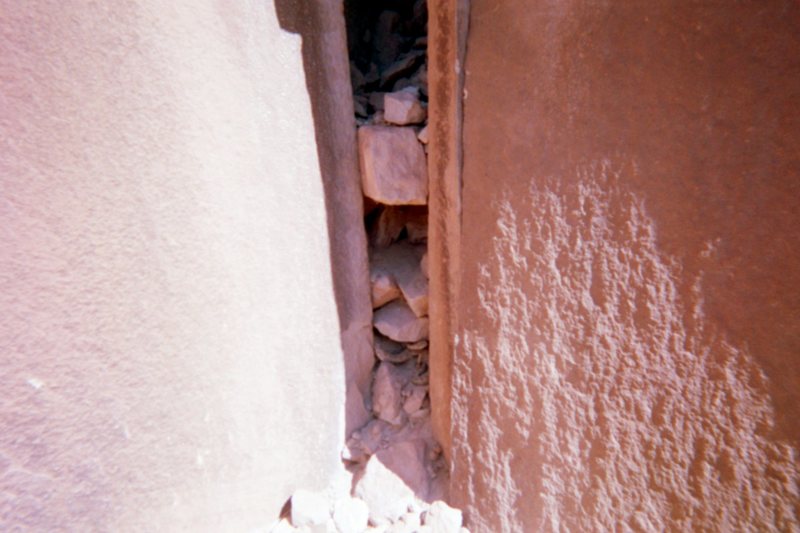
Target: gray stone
<point>393,169</point>
<point>398,322</point>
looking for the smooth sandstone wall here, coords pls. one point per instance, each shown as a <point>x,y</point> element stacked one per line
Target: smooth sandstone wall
<point>628,343</point>
<point>171,358</point>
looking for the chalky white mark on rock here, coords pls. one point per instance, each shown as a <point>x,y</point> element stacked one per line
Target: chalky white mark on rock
<point>588,330</point>
<point>398,322</point>
<point>393,169</point>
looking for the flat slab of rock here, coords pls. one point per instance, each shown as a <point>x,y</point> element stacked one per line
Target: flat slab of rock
<point>393,170</point>
<point>403,108</point>
<point>402,262</point>
<point>398,322</point>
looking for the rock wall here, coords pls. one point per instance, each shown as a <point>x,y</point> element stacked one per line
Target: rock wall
<point>628,328</point>
<point>170,351</point>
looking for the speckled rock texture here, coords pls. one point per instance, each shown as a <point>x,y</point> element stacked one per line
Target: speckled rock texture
<point>628,328</point>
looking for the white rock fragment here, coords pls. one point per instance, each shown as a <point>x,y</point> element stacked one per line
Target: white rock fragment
<point>386,495</point>
<point>403,108</point>
<point>402,262</point>
<point>441,518</point>
<point>309,508</point>
<point>422,136</point>
<point>392,165</point>
<point>351,515</point>
<point>398,322</point>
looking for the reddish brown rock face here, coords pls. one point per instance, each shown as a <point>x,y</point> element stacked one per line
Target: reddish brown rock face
<point>628,312</point>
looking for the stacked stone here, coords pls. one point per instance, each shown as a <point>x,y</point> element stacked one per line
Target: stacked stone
<point>399,472</point>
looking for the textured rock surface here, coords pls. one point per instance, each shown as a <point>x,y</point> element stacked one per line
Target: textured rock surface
<point>159,172</point>
<point>629,318</point>
<point>393,169</point>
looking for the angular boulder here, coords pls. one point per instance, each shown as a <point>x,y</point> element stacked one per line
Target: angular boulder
<point>403,108</point>
<point>398,322</point>
<point>393,170</point>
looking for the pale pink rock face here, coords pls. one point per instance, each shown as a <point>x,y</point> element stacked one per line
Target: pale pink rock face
<point>162,191</point>
<point>385,493</point>
<point>397,321</point>
<point>393,168</point>
<point>403,108</point>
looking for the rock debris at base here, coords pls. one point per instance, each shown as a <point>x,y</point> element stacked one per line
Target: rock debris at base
<point>400,477</point>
